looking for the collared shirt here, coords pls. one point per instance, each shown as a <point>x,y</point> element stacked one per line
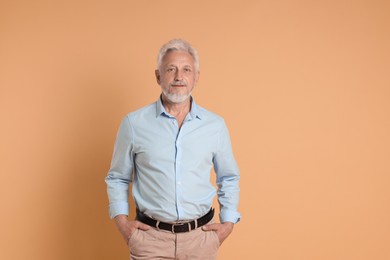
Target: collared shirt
<point>169,167</point>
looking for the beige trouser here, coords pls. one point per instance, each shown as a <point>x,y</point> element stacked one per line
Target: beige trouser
<point>160,244</point>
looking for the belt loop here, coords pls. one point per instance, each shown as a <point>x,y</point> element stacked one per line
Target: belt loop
<point>157,225</point>
<point>173,229</point>
<point>189,226</point>
<point>196,224</point>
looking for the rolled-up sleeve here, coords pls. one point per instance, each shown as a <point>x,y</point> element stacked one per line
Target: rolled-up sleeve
<point>120,174</point>
<point>228,177</point>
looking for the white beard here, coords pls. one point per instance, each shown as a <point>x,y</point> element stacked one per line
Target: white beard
<point>176,98</point>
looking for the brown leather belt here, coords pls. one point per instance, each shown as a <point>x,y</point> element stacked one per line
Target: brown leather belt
<point>176,227</point>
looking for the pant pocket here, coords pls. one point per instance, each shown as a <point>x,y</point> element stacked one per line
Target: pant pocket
<point>133,238</point>
<point>216,238</point>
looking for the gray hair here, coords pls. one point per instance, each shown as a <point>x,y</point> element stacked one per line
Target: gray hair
<point>178,45</point>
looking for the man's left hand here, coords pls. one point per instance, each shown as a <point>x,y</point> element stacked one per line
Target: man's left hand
<point>223,230</point>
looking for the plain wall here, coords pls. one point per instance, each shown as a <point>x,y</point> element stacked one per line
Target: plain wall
<point>304,87</point>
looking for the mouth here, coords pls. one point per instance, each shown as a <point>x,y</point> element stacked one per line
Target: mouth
<point>178,85</point>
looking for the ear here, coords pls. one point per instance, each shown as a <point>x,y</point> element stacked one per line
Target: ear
<point>197,76</point>
<point>158,77</point>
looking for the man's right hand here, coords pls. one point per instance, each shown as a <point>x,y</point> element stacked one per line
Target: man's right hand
<point>127,228</point>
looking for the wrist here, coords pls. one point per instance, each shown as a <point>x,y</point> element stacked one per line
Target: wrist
<point>120,219</point>
<point>228,223</point>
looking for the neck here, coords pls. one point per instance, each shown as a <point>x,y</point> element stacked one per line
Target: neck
<point>177,109</point>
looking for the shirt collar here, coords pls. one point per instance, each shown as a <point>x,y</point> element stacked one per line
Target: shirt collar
<point>194,112</point>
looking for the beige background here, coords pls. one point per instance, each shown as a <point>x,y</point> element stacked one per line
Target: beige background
<point>303,85</point>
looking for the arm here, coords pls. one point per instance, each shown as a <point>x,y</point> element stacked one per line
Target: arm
<point>119,175</point>
<point>228,177</point>
<point>118,180</point>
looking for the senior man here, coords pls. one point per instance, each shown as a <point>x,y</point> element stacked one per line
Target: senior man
<point>166,150</point>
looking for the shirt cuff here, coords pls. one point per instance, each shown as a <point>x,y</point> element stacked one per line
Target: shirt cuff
<point>229,216</point>
<point>118,208</point>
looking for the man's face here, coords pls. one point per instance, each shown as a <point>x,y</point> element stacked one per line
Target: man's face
<point>177,76</point>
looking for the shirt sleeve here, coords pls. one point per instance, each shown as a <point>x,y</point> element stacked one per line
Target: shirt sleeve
<point>228,177</point>
<point>120,174</point>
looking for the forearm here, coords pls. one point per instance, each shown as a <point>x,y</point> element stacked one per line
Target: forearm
<point>228,197</point>
<point>118,194</point>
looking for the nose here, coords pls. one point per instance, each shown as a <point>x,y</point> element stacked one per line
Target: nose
<point>178,75</point>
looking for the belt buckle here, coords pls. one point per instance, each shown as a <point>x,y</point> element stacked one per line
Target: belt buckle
<point>180,224</point>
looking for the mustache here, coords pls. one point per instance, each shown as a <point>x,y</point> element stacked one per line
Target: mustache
<point>178,83</point>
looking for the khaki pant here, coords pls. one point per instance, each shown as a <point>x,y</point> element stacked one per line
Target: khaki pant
<point>160,244</point>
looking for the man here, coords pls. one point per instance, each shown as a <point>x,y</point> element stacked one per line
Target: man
<point>166,150</point>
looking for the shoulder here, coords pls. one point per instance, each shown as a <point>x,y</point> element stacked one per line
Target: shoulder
<point>211,117</point>
<point>141,113</point>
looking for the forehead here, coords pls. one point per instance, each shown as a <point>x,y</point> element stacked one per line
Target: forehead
<point>178,57</point>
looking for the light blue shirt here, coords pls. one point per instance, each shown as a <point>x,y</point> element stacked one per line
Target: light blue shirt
<point>169,167</point>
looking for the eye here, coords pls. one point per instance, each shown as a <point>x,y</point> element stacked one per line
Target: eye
<point>187,69</point>
<point>170,69</point>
